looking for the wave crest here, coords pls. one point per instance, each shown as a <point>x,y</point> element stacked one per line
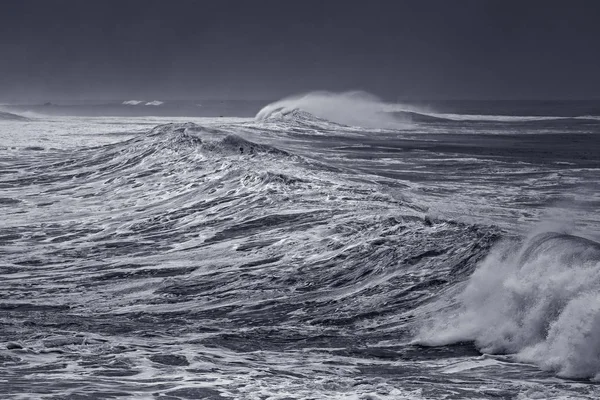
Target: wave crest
<point>539,300</point>
<point>354,108</point>
<point>204,139</point>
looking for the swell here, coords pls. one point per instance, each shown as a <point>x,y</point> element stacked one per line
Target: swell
<point>432,117</point>
<point>361,109</point>
<point>237,226</point>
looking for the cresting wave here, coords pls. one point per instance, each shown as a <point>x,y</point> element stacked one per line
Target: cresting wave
<point>538,299</point>
<point>349,108</point>
<point>358,108</point>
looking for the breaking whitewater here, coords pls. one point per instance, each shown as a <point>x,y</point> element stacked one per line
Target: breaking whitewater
<point>332,247</point>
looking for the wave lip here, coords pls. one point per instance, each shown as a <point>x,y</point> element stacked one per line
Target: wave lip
<point>539,300</point>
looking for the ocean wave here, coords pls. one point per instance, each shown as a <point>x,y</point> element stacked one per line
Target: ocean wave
<point>537,299</point>
<point>299,121</point>
<point>143,102</point>
<point>348,108</point>
<point>420,116</point>
<point>6,116</point>
<point>177,232</point>
<point>220,248</point>
<point>180,140</point>
<point>361,109</point>
<point>290,114</point>
<point>205,139</point>
<point>165,149</point>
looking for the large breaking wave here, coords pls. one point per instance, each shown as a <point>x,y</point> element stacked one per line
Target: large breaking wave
<point>358,108</point>
<point>355,108</point>
<point>538,299</point>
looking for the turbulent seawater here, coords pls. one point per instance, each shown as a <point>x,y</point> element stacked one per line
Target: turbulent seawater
<point>328,248</point>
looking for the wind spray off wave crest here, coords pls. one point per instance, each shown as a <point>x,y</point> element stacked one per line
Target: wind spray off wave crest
<point>355,108</point>
<point>539,301</point>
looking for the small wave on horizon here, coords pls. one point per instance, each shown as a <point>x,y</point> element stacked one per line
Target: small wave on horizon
<point>7,116</point>
<point>142,102</point>
<point>132,102</point>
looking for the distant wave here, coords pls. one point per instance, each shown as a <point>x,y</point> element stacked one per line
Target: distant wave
<point>506,118</point>
<point>539,300</point>
<point>348,108</point>
<point>365,110</point>
<point>6,116</point>
<point>143,102</point>
<point>422,116</point>
<point>494,118</point>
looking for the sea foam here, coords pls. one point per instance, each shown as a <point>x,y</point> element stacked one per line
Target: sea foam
<point>539,300</point>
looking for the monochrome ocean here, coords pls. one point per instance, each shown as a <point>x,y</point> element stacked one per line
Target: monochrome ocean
<point>323,246</point>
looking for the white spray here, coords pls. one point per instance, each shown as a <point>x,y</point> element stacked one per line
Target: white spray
<point>354,108</point>
<point>539,300</point>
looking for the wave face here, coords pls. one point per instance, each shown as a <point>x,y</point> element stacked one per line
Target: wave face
<point>296,257</point>
<point>538,299</point>
<point>348,108</point>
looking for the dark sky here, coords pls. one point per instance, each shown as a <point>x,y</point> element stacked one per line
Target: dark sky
<point>262,49</point>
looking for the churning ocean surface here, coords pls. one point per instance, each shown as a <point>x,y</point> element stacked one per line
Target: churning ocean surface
<point>332,247</point>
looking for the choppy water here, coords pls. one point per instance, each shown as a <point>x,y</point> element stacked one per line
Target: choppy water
<point>295,257</point>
